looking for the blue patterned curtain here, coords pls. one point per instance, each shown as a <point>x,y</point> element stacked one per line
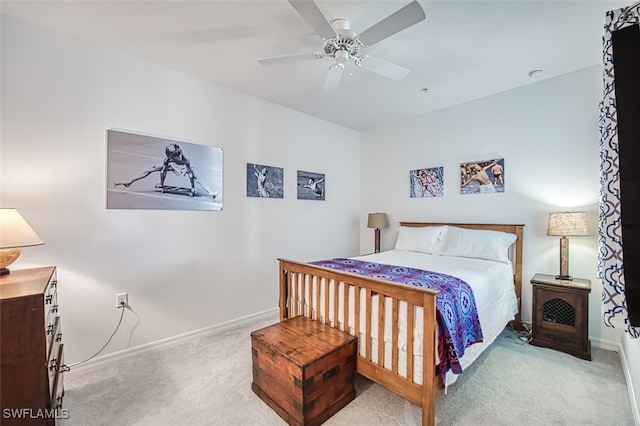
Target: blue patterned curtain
<point>616,292</point>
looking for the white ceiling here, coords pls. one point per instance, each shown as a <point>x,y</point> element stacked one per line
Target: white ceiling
<point>464,50</point>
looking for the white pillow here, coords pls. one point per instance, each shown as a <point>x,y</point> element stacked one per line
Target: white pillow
<point>420,239</point>
<point>475,243</point>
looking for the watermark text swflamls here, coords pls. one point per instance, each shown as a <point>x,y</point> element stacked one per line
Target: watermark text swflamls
<point>32,413</point>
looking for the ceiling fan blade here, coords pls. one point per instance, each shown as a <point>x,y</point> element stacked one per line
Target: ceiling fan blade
<point>288,59</point>
<point>314,17</point>
<point>334,76</point>
<point>407,16</point>
<point>382,67</point>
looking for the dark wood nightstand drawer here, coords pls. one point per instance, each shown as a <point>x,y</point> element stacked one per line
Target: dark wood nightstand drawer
<point>556,337</point>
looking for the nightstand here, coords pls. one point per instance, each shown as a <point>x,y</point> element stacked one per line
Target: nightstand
<point>561,314</point>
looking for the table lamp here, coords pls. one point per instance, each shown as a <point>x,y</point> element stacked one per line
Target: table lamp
<point>567,224</point>
<point>377,221</point>
<point>15,233</point>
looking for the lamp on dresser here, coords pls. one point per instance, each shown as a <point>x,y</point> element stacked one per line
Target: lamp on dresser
<point>377,221</point>
<point>567,224</point>
<point>15,233</point>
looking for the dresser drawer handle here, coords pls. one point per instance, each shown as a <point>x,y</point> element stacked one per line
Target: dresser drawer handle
<point>59,337</point>
<point>49,329</point>
<point>52,364</point>
<point>48,299</point>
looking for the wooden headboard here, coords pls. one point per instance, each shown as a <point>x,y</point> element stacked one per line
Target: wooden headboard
<point>516,229</point>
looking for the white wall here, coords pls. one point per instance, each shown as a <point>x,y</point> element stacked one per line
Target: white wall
<point>183,270</point>
<point>547,133</point>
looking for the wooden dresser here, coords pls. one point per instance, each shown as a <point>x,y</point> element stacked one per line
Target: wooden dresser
<point>31,350</point>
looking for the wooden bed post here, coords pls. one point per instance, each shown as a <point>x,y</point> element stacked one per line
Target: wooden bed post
<point>517,322</point>
<point>284,292</point>
<point>428,361</point>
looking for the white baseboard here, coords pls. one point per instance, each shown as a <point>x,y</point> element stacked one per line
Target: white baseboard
<point>627,378</point>
<point>605,344</point>
<point>99,362</point>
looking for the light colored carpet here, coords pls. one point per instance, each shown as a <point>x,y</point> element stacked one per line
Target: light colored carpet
<point>207,381</point>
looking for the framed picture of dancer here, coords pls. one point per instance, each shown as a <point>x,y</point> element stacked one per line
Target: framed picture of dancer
<point>311,186</point>
<point>265,181</point>
<point>426,182</point>
<point>482,177</point>
<point>149,172</point>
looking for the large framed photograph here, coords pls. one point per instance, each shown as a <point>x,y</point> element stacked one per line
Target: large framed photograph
<point>265,181</point>
<point>311,186</point>
<point>148,172</point>
<point>426,182</point>
<point>482,177</point>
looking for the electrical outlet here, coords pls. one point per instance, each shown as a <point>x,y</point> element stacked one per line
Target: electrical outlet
<point>122,300</point>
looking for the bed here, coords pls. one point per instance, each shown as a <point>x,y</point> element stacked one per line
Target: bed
<point>396,323</point>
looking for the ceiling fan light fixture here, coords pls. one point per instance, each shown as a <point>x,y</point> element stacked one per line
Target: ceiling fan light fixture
<point>341,56</point>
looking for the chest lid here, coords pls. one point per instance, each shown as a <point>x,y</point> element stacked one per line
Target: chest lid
<point>301,339</point>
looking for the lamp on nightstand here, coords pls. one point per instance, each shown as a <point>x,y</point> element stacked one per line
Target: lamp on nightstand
<point>15,233</point>
<point>567,224</point>
<point>377,221</point>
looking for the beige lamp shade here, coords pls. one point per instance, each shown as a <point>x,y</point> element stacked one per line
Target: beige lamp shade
<point>568,224</point>
<point>377,220</point>
<point>15,233</point>
<point>563,225</point>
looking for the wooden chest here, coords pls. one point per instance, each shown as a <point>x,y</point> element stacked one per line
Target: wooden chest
<point>303,369</point>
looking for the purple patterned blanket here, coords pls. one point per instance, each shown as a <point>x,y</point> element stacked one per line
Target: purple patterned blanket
<point>457,317</point>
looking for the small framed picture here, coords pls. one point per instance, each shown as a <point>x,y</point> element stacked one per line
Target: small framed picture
<point>482,177</point>
<point>311,186</point>
<point>426,182</point>
<point>265,181</point>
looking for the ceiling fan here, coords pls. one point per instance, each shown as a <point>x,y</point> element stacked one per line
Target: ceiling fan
<point>342,44</point>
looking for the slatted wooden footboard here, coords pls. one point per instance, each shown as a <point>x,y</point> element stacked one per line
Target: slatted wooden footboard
<point>327,295</point>
<point>311,291</point>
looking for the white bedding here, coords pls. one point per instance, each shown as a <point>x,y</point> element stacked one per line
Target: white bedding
<point>493,287</point>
